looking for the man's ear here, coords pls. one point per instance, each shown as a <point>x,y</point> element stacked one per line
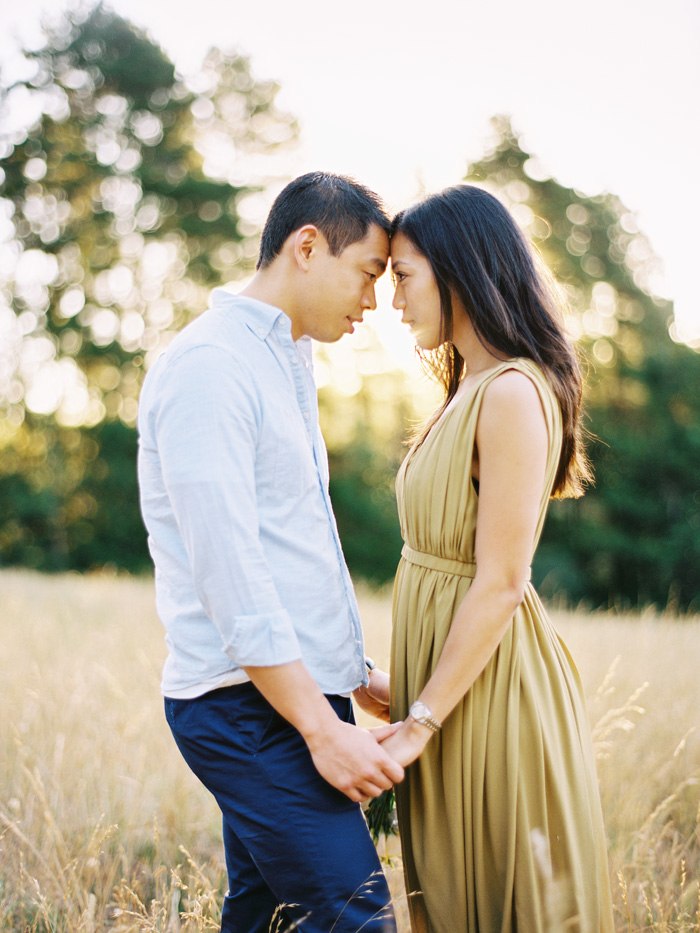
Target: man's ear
<point>305,243</point>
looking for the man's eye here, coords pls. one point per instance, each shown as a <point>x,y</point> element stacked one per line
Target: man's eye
<point>372,276</point>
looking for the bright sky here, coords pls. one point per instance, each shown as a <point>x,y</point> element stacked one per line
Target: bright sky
<point>399,94</point>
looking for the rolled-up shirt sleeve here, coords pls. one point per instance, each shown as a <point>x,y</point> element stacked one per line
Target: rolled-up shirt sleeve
<point>206,426</point>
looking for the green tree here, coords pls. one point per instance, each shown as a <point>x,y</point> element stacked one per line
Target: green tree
<point>634,538</point>
<point>123,203</point>
<point>365,430</point>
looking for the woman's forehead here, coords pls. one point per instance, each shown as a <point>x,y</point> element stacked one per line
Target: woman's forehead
<point>402,250</point>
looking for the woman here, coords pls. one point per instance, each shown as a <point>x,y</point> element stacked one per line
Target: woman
<point>499,816</point>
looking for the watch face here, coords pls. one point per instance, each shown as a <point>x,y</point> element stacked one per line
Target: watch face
<point>421,714</point>
<point>419,710</point>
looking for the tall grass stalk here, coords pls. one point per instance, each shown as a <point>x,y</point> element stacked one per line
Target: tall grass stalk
<point>102,826</point>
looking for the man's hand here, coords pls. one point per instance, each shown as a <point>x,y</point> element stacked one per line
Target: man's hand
<point>353,761</point>
<point>374,698</point>
<point>349,758</point>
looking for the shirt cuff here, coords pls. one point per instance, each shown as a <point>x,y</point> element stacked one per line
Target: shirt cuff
<point>263,640</point>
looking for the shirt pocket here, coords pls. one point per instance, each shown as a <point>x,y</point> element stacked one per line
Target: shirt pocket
<point>295,471</point>
<point>285,461</point>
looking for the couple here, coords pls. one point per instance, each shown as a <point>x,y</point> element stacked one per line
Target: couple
<point>498,805</point>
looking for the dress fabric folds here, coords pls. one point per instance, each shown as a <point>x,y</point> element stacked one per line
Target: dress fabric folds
<point>500,818</point>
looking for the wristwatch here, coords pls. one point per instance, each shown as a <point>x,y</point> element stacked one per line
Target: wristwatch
<point>423,714</point>
<point>370,664</point>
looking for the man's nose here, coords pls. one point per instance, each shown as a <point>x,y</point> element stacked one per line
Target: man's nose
<point>369,300</point>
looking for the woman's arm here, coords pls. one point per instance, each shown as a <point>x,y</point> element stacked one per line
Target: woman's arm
<point>374,698</point>
<point>511,439</point>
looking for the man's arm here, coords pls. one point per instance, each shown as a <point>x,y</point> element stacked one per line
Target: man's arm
<point>348,757</point>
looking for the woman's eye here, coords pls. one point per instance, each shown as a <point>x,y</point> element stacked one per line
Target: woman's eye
<point>397,277</point>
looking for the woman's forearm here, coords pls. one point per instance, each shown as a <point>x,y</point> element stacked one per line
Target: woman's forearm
<point>477,629</point>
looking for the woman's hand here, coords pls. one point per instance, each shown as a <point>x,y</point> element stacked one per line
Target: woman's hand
<point>406,744</point>
<point>374,698</point>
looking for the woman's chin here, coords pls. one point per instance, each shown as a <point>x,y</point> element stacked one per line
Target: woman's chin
<point>423,343</point>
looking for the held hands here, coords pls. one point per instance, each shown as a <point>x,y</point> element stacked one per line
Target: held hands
<point>363,763</point>
<point>404,741</point>
<point>353,760</point>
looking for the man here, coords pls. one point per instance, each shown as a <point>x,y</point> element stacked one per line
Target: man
<point>264,640</point>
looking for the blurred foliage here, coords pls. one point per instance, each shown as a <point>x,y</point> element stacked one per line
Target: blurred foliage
<point>128,192</point>
<point>121,204</point>
<point>69,499</point>
<point>634,538</point>
<point>365,434</point>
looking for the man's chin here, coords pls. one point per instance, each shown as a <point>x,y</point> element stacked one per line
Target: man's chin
<point>328,338</point>
<point>333,334</point>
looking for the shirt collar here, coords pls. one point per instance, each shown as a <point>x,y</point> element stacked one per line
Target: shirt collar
<point>260,317</point>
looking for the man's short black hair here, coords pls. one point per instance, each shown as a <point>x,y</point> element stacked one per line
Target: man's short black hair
<point>341,208</point>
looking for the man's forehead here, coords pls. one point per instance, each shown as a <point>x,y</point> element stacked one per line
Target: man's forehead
<point>376,244</point>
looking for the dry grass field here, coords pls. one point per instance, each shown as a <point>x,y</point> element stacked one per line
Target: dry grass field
<point>103,828</point>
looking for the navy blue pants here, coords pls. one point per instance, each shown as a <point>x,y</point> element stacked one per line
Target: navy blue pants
<point>290,838</point>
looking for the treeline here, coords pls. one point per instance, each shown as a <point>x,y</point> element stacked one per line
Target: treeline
<point>128,203</point>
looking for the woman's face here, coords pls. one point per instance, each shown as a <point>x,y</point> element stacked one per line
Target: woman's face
<point>416,295</point>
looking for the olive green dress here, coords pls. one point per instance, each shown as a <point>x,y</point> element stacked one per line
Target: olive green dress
<point>500,819</point>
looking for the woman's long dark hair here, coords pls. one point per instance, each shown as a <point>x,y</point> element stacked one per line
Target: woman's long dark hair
<point>478,254</point>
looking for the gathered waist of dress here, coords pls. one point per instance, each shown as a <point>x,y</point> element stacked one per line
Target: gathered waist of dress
<point>460,568</point>
<point>442,564</point>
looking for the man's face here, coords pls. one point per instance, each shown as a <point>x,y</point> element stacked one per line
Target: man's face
<point>339,289</point>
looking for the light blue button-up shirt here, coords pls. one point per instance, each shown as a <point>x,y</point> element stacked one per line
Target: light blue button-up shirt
<point>233,477</point>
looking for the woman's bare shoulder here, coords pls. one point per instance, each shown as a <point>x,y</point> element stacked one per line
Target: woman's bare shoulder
<point>512,390</point>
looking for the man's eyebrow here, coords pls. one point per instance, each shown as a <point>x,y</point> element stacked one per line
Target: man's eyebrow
<point>379,263</point>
